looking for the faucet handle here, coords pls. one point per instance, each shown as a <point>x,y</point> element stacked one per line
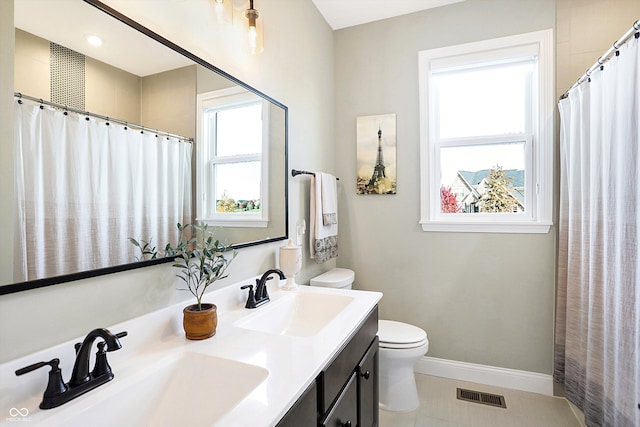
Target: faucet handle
<point>56,385</point>
<point>54,363</point>
<point>102,366</point>
<point>251,299</point>
<point>261,291</point>
<point>268,278</point>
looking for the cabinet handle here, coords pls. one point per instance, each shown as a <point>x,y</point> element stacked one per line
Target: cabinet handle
<point>366,375</point>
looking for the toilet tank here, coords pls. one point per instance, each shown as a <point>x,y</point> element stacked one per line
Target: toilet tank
<point>341,278</point>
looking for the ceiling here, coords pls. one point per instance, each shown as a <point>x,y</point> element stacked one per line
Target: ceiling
<point>76,19</point>
<point>347,13</point>
<point>69,22</point>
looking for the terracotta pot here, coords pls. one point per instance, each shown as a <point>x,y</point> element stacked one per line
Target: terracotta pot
<point>200,324</point>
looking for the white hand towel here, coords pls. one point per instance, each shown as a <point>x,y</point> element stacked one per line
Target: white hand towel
<point>329,199</point>
<point>323,239</point>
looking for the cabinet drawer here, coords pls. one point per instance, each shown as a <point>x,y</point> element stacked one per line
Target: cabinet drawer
<point>333,378</point>
<point>344,413</point>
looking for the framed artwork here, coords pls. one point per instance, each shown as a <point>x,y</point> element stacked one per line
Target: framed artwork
<point>376,154</point>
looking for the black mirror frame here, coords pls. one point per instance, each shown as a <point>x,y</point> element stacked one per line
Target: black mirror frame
<point>49,281</point>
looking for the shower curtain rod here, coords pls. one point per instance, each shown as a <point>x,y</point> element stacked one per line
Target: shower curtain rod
<point>41,101</point>
<point>607,55</point>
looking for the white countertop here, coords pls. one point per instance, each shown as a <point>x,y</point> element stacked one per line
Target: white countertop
<point>292,362</point>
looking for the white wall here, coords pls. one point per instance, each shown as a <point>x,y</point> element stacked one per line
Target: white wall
<point>483,298</point>
<point>296,68</point>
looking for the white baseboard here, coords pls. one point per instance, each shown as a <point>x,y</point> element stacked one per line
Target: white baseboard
<point>489,375</point>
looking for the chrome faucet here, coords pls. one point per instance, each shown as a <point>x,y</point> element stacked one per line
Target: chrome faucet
<point>57,392</point>
<point>261,296</point>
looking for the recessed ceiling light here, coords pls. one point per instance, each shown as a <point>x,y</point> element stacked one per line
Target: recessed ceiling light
<point>94,40</point>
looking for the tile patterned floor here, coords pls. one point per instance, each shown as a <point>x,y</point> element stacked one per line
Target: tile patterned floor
<point>440,408</point>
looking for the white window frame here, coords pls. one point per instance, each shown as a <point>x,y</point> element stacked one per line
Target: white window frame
<point>538,142</point>
<point>220,99</point>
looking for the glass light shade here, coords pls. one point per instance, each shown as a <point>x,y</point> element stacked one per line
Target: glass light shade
<point>249,24</point>
<point>222,12</point>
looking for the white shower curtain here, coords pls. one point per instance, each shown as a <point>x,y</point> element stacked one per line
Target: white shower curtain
<point>597,341</point>
<point>84,187</point>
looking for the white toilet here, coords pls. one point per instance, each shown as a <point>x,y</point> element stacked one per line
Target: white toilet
<point>401,346</point>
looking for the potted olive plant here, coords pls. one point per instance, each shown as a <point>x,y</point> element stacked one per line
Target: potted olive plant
<point>201,261</point>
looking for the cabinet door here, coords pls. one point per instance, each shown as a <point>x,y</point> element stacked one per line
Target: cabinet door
<point>368,387</point>
<point>344,412</point>
<point>304,413</point>
<point>345,363</point>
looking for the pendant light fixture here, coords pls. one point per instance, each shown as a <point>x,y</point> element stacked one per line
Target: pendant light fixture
<point>222,12</point>
<point>254,34</point>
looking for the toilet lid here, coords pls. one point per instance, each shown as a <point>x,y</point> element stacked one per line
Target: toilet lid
<point>392,333</point>
<point>334,278</point>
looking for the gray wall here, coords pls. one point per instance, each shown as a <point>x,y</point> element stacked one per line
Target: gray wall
<point>7,36</point>
<point>482,298</point>
<point>296,68</point>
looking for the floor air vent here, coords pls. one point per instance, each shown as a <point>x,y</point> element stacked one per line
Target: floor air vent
<point>479,397</point>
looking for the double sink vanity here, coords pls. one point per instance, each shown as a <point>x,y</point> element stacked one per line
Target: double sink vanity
<point>308,357</point>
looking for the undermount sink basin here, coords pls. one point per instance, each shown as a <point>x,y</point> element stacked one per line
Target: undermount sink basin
<point>297,315</point>
<point>189,389</point>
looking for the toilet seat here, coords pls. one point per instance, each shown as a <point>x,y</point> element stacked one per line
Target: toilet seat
<point>392,334</point>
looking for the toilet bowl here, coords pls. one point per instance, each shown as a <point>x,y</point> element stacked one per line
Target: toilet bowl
<point>400,347</point>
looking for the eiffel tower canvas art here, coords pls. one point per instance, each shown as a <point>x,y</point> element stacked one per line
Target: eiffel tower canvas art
<point>376,154</point>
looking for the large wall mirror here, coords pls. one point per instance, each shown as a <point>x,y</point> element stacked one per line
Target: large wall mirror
<point>218,146</point>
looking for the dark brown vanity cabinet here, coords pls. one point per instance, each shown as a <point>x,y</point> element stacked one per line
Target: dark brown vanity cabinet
<point>351,380</point>
<point>345,394</point>
<point>368,387</point>
<point>304,413</point>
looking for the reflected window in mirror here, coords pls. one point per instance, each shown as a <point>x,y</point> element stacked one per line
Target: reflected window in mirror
<point>232,160</point>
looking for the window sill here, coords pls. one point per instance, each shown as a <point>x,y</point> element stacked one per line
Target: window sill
<point>486,227</point>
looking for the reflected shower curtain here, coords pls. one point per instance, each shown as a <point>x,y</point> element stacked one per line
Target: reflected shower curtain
<point>84,187</point>
<point>597,340</point>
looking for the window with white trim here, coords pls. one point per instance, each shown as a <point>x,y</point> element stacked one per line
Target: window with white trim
<point>232,161</point>
<point>486,135</point>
